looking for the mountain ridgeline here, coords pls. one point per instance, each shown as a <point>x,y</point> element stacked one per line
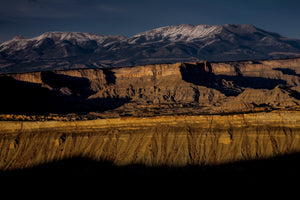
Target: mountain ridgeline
<point>80,103</point>
<point>73,50</point>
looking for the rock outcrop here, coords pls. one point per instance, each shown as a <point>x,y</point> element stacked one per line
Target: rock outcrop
<point>158,115</point>
<point>161,89</point>
<point>156,141</point>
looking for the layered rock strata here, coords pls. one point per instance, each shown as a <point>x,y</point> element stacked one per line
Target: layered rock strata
<point>150,90</point>
<point>154,141</point>
<point>178,114</point>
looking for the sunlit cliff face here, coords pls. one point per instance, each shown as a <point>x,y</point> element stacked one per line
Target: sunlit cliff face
<point>156,115</point>
<point>155,141</point>
<point>151,90</point>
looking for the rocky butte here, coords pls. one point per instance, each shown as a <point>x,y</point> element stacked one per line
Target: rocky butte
<point>160,115</point>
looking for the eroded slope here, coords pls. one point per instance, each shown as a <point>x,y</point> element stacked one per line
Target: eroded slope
<point>158,141</point>
<point>166,114</point>
<point>162,89</point>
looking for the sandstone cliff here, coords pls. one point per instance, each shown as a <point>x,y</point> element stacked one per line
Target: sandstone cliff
<point>156,115</point>
<point>155,141</point>
<point>161,89</point>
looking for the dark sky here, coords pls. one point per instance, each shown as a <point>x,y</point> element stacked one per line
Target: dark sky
<point>128,17</point>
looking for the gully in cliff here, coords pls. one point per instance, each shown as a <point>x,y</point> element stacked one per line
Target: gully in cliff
<point>183,116</point>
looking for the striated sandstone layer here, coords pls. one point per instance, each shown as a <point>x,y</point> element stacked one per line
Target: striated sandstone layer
<point>153,141</point>
<point>161,89</point>
<point>196,113</point>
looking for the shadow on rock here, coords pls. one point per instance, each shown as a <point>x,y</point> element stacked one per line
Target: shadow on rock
<point>279,168</point>
<point>66,95</point>
<point>78,86</point>
<point>287,71</point>
<point>201,74</point>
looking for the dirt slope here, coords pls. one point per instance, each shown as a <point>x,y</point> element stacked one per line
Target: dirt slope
<point>156,141</point>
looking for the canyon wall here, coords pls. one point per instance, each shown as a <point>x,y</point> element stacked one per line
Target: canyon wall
<point>155,141</point>
<point>181,114</point>
<point>160,89</point>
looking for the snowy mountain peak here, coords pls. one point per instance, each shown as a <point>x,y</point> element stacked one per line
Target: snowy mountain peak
<point>243,29</point>
<point>18,37</point>
<point>60,36</point>
<point>76,38</point>
<point>185,32</point>
<point>181,43</point>
<point>178,33</point>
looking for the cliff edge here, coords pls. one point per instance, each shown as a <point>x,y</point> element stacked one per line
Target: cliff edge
<point>152,90</point>
<point>182,114</point>
<point>171,141</point>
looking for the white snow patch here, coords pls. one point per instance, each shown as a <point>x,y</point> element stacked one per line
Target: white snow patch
<point>181,32</point>
<point>18,43</point>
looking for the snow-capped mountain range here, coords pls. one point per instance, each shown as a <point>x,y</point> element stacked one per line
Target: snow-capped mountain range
<point>68,50</point>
